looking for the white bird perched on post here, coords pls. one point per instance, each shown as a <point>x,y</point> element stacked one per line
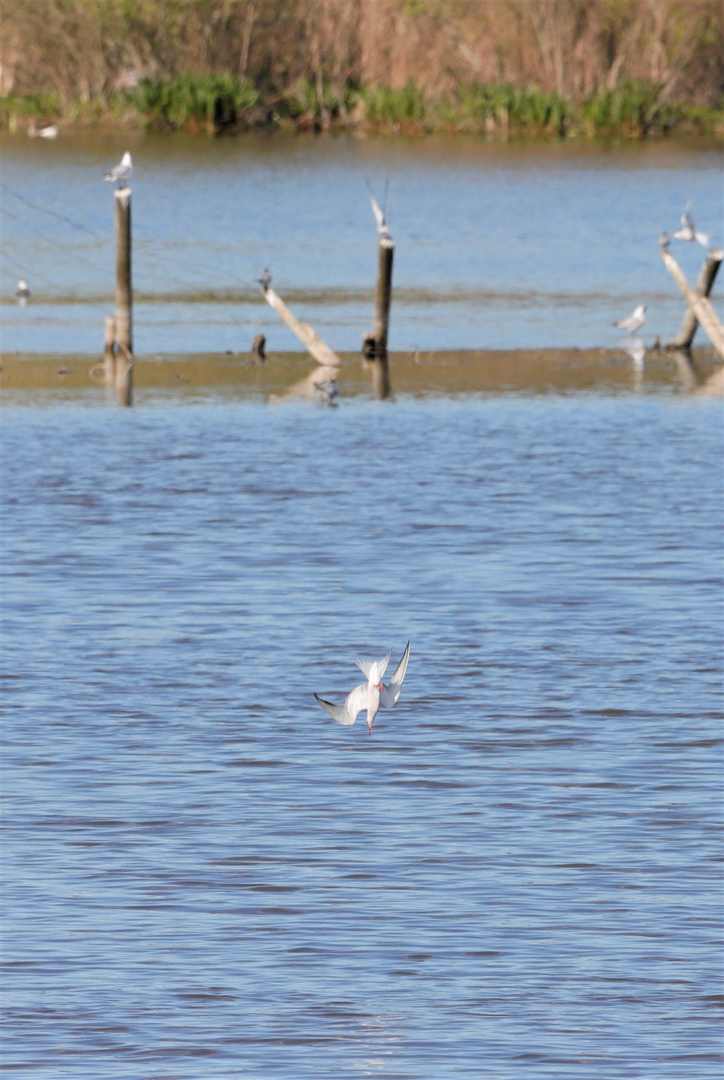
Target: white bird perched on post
<point>122,172</point>
<point>382,227</point>
<point>634,321</point>
<point>689,230</point>
<point>372,694</point>
<point>22,292</point>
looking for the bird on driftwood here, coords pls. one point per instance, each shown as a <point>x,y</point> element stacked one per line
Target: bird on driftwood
<point>122,172</point>
<point>265,280</point>
<point>382,227</point>
<point>689,230</point>
<point>22,292</point>
<point>634,321</point>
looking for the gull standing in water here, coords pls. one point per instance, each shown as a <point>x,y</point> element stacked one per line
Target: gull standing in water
<point>327,390</point>
<point>22,291</point>
<point>634,321</point>
<point>48,132</point>
<point>689,230</point>
<point>372,694</point>
<point>122,172</point>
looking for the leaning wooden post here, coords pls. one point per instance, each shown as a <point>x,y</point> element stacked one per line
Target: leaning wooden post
<point>707,276</point>
<point>700,305</point>
<point>124,298</point>
<point>109,352</point>
<point>309,338</point>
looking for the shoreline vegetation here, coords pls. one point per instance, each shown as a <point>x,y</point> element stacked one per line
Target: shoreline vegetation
<point>555,68</point>
<point>221,104</point>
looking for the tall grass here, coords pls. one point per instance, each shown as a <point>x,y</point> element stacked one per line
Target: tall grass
<point>209,102</point>
<point>631,108</point>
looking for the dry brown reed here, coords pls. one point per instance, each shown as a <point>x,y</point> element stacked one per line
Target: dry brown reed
<point>88,49</point>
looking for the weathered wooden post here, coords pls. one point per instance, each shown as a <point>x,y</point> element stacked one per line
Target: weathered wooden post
<point>311,340</point>
<point>124,298</point>
<point>383,295</point>
<point>699,305</point>
<point>704,284</point>
<point>109,352</point>
<point>374,346</point>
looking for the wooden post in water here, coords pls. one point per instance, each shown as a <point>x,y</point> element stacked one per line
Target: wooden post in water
<point>109,352</point>
<point>699,305</point>
<point>707,276</point>
<point>124,298</point>
<point>374,346</point>
<point>383,295</point>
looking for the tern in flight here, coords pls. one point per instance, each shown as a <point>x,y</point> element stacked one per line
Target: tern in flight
<point>634,322</point>
<point>372,694</point>
<point>689,230</point>
<point>122,172</point>
<point>382,227</point>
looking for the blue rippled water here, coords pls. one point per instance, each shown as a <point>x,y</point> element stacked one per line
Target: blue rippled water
<point>515,875</point>
<point>499,245</point>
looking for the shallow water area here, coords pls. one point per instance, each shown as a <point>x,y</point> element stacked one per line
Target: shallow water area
<point>499,245</point>
<point>515,875</point>
<point>293,377</point>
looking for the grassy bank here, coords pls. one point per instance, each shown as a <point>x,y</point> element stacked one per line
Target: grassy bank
<point>217,104</point>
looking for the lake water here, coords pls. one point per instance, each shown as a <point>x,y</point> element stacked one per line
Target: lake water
<point>516,875</point>
<point>498,245</point>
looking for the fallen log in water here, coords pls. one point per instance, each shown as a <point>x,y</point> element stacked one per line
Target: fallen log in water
<point>309,338</point>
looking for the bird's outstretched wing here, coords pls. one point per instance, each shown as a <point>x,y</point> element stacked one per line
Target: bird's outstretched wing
<point>391,693</point>
<point>376,668</point>
<point>354,703</point>
<point>379,213</point>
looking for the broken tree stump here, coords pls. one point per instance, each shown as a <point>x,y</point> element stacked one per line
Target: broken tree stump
<point>699,305</point>
<point>705,281</point>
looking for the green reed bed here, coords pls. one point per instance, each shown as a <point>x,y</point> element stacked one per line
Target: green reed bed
<point>215,103</point>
